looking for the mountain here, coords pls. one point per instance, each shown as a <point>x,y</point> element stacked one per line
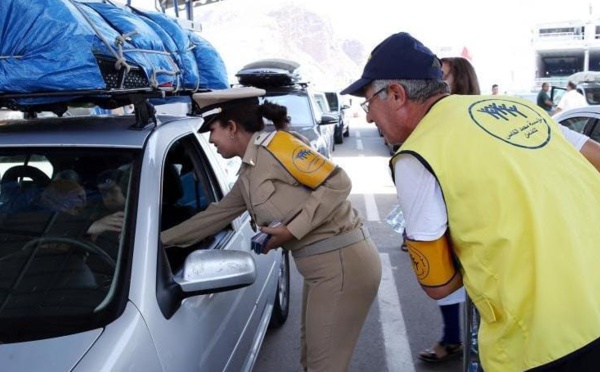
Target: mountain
<point>244,31</point>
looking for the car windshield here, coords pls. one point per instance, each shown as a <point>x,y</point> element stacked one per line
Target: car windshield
<point>62,239</point>
<point>298,108</point>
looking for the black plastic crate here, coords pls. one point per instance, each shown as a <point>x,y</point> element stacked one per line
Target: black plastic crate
<point>121,79</point>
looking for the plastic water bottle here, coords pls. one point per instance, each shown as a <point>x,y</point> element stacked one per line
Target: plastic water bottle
<point>396,219</point>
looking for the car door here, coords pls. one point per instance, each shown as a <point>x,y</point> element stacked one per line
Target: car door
<point>556,94</point>
<point>218,331</point>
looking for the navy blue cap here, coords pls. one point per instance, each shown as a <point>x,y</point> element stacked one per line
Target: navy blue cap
<point>400,56</point>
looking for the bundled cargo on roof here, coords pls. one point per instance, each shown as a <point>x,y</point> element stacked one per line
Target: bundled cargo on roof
<point>73,46</point>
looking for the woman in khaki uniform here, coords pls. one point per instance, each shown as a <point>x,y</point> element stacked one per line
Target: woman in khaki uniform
<point>331,248</point>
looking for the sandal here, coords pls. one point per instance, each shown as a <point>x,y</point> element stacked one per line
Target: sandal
<point>441,353</point>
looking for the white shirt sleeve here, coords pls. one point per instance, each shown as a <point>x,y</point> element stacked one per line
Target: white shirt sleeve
<point>575,138</point>
<point>421,201</point>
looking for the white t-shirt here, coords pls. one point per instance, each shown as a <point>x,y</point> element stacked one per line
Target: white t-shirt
<point>423,206</point>
<point>572,99</point>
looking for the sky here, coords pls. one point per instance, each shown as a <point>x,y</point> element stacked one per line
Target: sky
<point>497,34</point>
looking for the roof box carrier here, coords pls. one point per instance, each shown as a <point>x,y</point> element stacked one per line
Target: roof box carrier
<point>269,73</point>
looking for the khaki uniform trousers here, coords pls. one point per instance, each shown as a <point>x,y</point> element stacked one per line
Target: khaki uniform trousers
<point>339,288</point>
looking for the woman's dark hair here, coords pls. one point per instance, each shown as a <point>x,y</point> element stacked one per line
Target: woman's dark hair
<point>464,77</point>
<point>243,111</point>
<point>276,113</point>
<point>250,115</point>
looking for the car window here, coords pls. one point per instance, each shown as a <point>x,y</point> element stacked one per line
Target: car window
<point>58,258</point>
<point>189,185</point>
<point>594,132</point>
<point>230,166</point>
<point>556,94</point>
<point>578,124</point>
<point>298,109</point>
<point>332,101</point>
<point>592,95</point>
<point>321,104</point>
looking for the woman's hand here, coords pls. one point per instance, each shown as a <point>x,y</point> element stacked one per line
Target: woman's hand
<point>279,236</point>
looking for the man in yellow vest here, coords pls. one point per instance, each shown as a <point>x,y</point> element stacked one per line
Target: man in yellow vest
<point>496,195</point>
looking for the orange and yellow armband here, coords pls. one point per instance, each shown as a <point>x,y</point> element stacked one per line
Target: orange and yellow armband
<point>304,164</point>
<point>432,261</point>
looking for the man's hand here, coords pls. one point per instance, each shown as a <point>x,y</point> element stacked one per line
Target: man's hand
<point>112,222</point>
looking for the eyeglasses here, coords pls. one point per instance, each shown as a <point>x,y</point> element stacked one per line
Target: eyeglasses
<point>365,104</point>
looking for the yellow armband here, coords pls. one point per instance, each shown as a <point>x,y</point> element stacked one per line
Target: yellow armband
<point>432,261</point>
<point>304,164</point>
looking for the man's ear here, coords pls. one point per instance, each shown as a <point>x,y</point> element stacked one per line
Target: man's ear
<point>397,94</point>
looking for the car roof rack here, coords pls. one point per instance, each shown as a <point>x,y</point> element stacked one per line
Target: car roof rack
<point>107,99</point>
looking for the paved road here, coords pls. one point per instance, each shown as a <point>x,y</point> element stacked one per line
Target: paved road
<point>403,320</point>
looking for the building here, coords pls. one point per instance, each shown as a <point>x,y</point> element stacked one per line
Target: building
<point>565,48</point>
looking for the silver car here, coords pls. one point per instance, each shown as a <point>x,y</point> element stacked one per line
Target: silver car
<point>584,120</point>
<point>85,284</point>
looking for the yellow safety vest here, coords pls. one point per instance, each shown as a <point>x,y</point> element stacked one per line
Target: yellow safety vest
<point>523,216</point>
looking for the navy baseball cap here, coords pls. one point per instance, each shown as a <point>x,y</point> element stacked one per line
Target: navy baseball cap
<point>400,56</point>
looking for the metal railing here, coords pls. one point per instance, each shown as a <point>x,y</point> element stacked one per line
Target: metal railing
<point>560,36</point>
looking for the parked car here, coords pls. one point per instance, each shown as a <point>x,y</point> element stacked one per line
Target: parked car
<point>280,79</point>
<point>342,110</point>
<point>322,107</point>
<point>584,120</point>
<point>588,84</point>
<point>74,299</point>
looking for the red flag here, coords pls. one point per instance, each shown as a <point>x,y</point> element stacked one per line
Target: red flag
<point>466,54</point>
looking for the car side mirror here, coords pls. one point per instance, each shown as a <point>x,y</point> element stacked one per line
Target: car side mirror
<point>216,271</point>
<point>328,119</point>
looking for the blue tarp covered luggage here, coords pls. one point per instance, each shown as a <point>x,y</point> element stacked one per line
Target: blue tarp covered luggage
<point>177,43</point>
<point>213,74</point>
<point>67,46</point>
<point>46,45</point>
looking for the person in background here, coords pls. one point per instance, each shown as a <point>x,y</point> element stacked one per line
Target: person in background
<point>495,89</point>
<point>460,75</point>
<point>109,216</point>
<point>331,247</point>
<point>571,99</point>
<point>543,99</point>
<point>63,195</point>
<point>494,197</point>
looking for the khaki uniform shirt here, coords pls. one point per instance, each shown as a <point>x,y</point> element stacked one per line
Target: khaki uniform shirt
<point>268,191</point>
